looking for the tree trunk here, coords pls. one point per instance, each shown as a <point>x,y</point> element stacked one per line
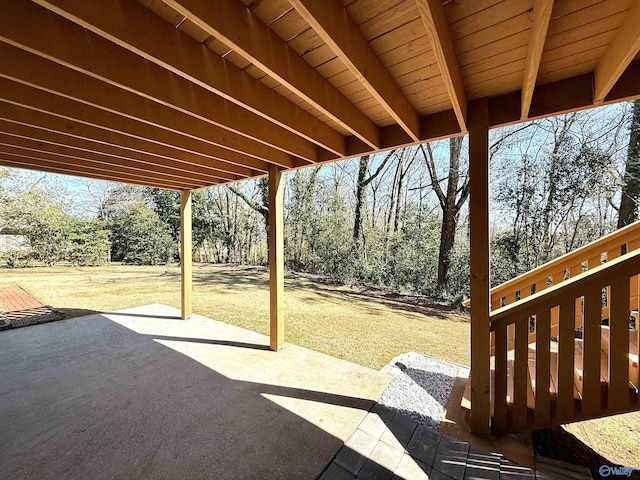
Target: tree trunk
<point>360,196</point>
<point>401,175</point>
<point>451,201</point>
<point>447,240</point>
<point>628,212</point>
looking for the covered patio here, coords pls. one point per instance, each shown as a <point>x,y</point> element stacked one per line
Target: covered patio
<point>189,94</point>
<point>139,393</point>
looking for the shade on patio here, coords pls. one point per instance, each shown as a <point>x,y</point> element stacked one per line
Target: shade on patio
<point>187,94</point>
<point>140,394</point>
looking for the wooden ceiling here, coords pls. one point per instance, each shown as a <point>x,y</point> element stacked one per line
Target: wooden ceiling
<point>186,94</point>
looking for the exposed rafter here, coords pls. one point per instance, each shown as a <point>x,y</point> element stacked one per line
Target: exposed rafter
<point>41,162</point>
<point>331,21</point>
<point>235,25</point>
<point>132,26</point>
<point>432,13</point>
<point>133,82</point>
<point>540,16</point>
<point>89,122</point>
<point>79,158</point>
<point>92,55</point>
<point>38,72</point>
<point>620,52</point>
<point>9,126</point>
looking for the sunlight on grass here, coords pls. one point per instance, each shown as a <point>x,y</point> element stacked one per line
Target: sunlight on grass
<point>616,437</point>
<point>335,320</point>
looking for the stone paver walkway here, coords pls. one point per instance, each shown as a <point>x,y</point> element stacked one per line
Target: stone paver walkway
<point>392,446</point>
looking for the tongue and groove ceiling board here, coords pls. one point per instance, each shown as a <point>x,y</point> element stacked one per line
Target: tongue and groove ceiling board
<point>187,94</point>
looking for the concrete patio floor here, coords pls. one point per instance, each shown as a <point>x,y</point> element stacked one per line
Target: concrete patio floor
<point>140,393</point>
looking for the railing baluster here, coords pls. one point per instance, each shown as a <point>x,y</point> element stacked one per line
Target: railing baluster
<point>500,407</point>
<point>635,291</point>
<point>591,391</point>
<point>575,270</point>
<point>634,303</point>
<point>613,253</point>
<point>511,337</point>
<point>521,372</point>
<point>619,337</point>
<point>495,302</point>
<point>566,348</point>
<point>543,366</point>
<point>594,261</point>
<point>555,321</point>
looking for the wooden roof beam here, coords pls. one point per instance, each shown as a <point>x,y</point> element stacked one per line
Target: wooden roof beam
<point>69,156</point>
<point>236,26</point>
<point>541,15</point>
<point>433,17</point>
<point>331,21</point>
<point>20,115</point>
<point>24,67</point>
<point>92,55</point>
<point>100,125</point>
<point>134,27</point>
<point>8,127</point>
<point>40,163</point>
<point>622,49</point>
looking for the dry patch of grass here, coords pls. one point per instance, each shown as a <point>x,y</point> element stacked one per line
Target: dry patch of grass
<point>366,329</point>
<point>616,438</point>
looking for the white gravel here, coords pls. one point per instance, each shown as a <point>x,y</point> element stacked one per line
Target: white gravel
<point>420,387</point>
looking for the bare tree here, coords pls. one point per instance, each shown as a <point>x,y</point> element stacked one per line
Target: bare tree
<point>451,201</point>
<point>361,191</point>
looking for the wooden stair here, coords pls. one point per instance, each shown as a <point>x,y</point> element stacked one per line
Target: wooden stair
<point>634,375</point>
<point>533,321</point>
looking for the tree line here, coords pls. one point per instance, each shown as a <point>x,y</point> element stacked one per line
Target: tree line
<point>396,220</point>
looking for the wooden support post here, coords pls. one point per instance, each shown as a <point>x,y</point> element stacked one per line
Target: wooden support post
<point>478,120</point>
<point>276,258</point>
<point>185,253</point>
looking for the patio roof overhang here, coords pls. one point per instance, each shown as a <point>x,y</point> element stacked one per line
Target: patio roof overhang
<point>187,94</point>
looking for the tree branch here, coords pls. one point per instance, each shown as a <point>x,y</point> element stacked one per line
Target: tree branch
<point>431,168</point>
<point>258,207</point>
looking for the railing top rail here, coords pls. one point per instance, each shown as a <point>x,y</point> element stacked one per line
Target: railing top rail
<point>568,259</point>
<point>572,288</point>
<point>581,254</point>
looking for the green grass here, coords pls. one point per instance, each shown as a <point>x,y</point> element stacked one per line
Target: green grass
<point>362,327</point>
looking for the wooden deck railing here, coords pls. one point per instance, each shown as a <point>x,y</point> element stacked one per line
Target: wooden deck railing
<point>564,268</point>
<point>567,266</point>
<point>515,396</point>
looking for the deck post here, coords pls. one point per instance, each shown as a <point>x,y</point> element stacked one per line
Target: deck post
<point>185,254</point>
<point>478,118</point>
<point>276,259</point>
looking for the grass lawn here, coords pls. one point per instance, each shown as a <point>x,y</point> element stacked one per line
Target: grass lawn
<point>361,327</point>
